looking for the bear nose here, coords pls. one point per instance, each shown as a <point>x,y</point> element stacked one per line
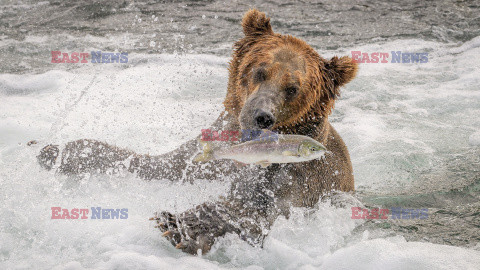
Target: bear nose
<point>264,120</point>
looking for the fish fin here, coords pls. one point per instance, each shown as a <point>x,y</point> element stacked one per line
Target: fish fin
<point>207,153</point>
<point>260,135</point>
<point>289,153</point>
<point>263,163</point>
<point>268,135</point>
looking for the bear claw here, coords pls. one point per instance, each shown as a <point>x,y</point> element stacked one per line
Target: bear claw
<point>167,234</point>
<point>181,245</point>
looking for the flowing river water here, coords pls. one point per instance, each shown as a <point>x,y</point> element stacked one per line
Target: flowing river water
<point>412,129</point>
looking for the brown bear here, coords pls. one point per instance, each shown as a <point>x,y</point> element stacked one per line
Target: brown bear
<point>276,82</point>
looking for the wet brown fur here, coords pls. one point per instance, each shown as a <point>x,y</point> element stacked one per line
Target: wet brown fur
<point>319,88</point>
<point>249,210</point>
<point>319,85</point>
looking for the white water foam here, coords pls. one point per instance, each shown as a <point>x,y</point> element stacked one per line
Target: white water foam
<point>397,120</point>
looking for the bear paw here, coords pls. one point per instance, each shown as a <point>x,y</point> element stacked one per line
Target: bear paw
<point>185,232</point>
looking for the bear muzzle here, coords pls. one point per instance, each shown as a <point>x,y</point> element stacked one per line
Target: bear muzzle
<point>261,108</point>
<point>263,119</point>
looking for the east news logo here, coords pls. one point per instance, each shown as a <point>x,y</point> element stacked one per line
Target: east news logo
<point>83,213</point>
<point>97,57</point>
<point>396,213</point>
<point>236,135</point>
<point>383,57</point>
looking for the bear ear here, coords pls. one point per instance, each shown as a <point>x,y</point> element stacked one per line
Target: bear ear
<point>255,23</point>
<point>342,70</point>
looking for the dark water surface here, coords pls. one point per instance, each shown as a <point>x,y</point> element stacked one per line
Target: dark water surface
<point>211,27</point>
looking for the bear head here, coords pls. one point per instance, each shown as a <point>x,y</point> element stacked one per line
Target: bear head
<point>278,81</point>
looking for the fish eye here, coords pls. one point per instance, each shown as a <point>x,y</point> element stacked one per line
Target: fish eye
<point>313,149</point>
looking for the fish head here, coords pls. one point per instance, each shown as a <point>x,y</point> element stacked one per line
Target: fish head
<point>311,149</point>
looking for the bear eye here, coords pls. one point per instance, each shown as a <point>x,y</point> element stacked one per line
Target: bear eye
<point>260,75</point>
<point>291,91</point>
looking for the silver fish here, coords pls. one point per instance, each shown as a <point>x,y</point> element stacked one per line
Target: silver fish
<point>284,149</point>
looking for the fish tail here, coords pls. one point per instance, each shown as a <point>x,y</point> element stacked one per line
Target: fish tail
<point>207,153</point>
